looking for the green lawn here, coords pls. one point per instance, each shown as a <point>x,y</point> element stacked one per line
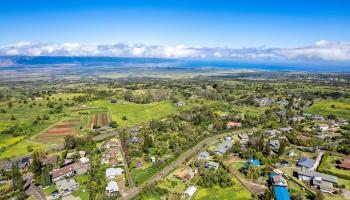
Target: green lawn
<point>136,113</point>
<point>7,140</point>
<point>140,175</point>
<point>237,165</point>
<point>173,184</point>
<point>21,149</point>
<point>49,190</point>
<point>237,192</point>
<point>340,108</point>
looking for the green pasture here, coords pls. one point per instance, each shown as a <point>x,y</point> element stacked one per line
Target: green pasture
<point>339,108</point>
<point>136,113</point>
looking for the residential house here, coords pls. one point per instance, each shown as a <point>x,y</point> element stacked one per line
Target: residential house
<point>66,171</point>
<point>244,138</point>
<point>283,102</point>
<point>190,191</point>
<point>323,186</point>
<point>66,186</point>
<point>112,173</point>
<point>203,155</point>
<point>278,180</point>
<point>305,162</point>
<point>82,153</point>
<point>84,160</point>
<point>297,119</point>
<point>272,133</point>
<point>185,174</point>
<point>318,118</point>
<point>286,129</point>
<point>275,145</point>
<point>321,127</point>
<point>223,147</point>
<point>153,159</point>
<point>344,163</point>
<point>212,165</point>
<point>112,188</point>
<point>49,160</point>
<point>324,182</point>
<point>230,125</point>
<point>264,101</point>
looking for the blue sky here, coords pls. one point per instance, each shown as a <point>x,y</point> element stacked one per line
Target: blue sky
<point>234,24</point>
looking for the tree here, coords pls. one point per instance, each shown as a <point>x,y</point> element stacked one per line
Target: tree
<point>147,143</point>
<point>282,148</point>
<point>113,124</point>
<point>69,142</point>
<point>36,164</point>
<point>45,177</point>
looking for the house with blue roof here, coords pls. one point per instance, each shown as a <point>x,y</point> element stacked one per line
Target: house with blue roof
<point>252,162</point>
<point>281,193</point>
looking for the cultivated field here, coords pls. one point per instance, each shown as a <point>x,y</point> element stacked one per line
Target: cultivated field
<point>56,134</point>
<point>99,120</point>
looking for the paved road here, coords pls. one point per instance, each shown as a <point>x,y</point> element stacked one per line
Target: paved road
<point>32,189</point>
<point>183,157</point>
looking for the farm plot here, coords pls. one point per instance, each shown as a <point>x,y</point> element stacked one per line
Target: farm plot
<point>99,120</point>
<point>56,134</point>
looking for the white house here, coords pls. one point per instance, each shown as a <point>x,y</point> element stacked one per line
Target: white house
<point>190,191</point>
<point>84,160</point>
<point>112,173</point>
<point>112,187</point>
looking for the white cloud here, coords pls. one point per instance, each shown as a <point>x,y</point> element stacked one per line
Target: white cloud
<point>322,50</point>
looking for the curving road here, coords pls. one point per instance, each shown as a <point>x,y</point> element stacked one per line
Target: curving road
<point>182,158</point>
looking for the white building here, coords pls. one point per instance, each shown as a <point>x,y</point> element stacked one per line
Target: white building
<point>112,187</point>
<point>112,173</point>
<point>190,191</point>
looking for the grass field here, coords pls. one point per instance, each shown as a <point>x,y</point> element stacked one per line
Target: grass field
<point>237,192</point>
<point>140,175</point>
<point>7,140</point>
<point>21,149</point>
<point>136,113</point>
<point>173,184</point>
<point>340,108</point>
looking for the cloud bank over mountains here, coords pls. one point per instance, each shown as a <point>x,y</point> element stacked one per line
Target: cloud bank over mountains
<point>321,51</point>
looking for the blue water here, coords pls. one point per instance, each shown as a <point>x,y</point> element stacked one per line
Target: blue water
<point>170,64</point>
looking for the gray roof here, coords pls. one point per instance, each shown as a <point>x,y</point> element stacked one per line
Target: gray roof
<point>286,129</point>
<point>112,187</point>
<point>67,184</point>
<point>223,146</point>
<point>203,155</point>
<point>213,164</point>
<point>243,136</point>
<point>313,174</point>
<point>273,132</point>
<point>275,144</point>
<point>306,162</point>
